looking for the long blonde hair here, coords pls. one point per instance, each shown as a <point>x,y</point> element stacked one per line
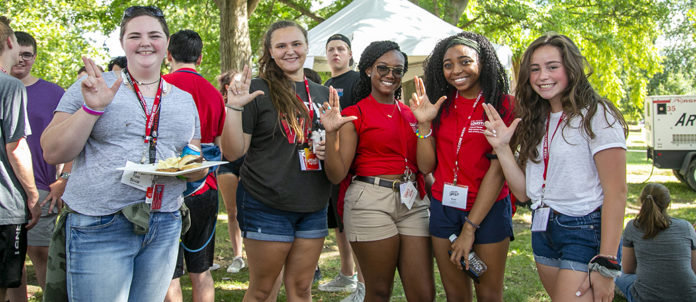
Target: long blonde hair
<point>280,87</point>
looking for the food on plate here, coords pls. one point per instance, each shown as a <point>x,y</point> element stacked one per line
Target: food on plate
<point>174,164</point>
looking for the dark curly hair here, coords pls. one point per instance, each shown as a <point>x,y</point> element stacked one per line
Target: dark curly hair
<point>579,95</point>
<point>367,59</point>
<point>492,77</point>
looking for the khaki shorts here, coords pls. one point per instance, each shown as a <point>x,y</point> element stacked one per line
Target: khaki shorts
<point>372,212</point>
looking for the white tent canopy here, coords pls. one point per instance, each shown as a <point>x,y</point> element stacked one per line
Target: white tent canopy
<point>364,21</point>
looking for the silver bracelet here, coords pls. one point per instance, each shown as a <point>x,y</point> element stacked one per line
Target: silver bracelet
<point>235,108</point>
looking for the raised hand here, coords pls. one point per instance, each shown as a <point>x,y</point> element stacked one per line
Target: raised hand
<point>497,133</point>
<point>422,109</point>
<point>331,117</point>
<point>96,93</point>
<point>238,91</point>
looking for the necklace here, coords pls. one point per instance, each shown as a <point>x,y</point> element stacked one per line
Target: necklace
<point>145,84</point>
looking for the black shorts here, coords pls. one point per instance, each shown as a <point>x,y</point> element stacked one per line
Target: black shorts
<point>232,167</point>
<point>332,218</point>
<point>200,238</point>
<point>13,250</point>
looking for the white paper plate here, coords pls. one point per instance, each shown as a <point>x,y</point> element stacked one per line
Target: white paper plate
<point>152,169</point>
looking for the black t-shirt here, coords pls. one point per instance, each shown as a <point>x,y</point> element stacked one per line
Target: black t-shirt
<point>271,172</point>
<point>344,84</point>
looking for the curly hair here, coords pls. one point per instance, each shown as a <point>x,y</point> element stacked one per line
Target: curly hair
<point>492,77</point>
<point>579,95</point>
<point>280,87</point>
<point>373,52</point>
<point>652,217</point>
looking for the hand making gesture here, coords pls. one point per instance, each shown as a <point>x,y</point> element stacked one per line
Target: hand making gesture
<point>96,93</point>
<point>422,109</point>
<point>238,91</point>
<point>497,133</point>
<point>331,117</point>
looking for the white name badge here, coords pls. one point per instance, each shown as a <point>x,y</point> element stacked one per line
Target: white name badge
<point>455,196</point>
<point>408,194</point>
<point>134,179</point>
<point>541,219</point>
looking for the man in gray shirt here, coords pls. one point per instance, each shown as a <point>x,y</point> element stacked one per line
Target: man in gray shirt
<point>17,190</point>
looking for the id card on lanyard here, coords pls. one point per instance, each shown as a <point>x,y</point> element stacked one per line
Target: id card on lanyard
<point>542,213</point>
<point>154,193</point>
<point>308,159</point>
<point>454,195</point>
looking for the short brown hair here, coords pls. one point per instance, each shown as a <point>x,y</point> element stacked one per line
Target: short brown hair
<point>5,31</point>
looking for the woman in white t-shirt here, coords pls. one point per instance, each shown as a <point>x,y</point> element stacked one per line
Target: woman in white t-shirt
<point>571,163</point>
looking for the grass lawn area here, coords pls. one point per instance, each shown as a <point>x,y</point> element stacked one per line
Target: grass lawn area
<point>521,280</point>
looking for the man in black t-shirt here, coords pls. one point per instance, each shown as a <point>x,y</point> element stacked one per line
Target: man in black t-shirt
<point>343,79</point>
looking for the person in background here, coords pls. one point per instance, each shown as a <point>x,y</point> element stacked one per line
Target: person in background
<point>461,74</point>
<point>18,194</point>
<point>283,190</point>
<point>571,164</point>
<point>121,243</point>
<point>343,79</point>
<point>197,246</point>
<point>228,179</point>
<point>659,252</point>
<point>42,100</point>
<point>312,75</point>
<point>385,210</point>
<point>117,63</point>
<point>83,71</point>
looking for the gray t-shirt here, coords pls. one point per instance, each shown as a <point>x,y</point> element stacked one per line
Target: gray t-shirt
<point>15,126</point>
<point>271,172</point>
<point>664,270</point>
<point>95,186</point>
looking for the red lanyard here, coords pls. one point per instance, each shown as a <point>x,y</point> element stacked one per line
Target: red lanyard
<point>465,129</point>
<point>403,139</point>
<point>546,148</point>
<point>151,117</point>
<point>310,107</point>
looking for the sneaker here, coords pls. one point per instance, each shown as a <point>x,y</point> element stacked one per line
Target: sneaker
<point>341,283</point>
<point>317,275</point>
<point>358,295</point>
<point>215,266</point>
<point>237,265</point>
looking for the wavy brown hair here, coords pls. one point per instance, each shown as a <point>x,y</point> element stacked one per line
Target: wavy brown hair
<point>280,87</point>
<point>225,79</point>
<point>579,95</point>
<point>652,217</point>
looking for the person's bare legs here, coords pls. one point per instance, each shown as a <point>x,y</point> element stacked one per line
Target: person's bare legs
<point>381,256</point>
<point>276,287</point>
<point>18,294</point>
<point>416,268</point>
<point>266,260</point>
<point>494,255</point>
<point>299,268</point>
<point>203,286</point>
<point>39,257</point>
<point>227,184</point>
<point>174,291</point>
<point>345,252</point>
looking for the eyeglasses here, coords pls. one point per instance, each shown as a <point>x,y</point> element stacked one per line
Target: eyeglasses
<point>150,10</point>
<point>383,70</point>
<point>26,56</point>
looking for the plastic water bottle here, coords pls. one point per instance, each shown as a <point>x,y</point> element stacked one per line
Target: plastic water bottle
<point>476,266</point>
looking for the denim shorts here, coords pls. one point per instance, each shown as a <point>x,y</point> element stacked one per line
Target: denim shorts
<point>568,242</point>
<point>261,222</point>
<point>445,221</point>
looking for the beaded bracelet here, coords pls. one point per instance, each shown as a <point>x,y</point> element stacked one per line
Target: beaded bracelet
<point>91,111</point>
<point>471,222</point>
<point>424,136</point>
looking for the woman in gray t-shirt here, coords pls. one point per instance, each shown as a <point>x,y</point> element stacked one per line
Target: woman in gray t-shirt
<point>659,252</point>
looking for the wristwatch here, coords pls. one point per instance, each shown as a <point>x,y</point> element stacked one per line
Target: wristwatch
<point>65,175</point>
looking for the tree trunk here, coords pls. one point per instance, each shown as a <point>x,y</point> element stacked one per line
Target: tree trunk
<point>436,8</point>
<point>453,14</point>
<point>235,47</point>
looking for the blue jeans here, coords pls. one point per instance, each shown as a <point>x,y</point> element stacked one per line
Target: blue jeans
<point>107,261</point>
<point>625,283</point>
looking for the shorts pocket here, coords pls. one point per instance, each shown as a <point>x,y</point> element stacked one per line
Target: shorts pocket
<point>588,222</point>
<point>353,195</point>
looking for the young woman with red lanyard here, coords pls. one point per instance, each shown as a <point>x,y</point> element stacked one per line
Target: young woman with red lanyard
<point>572,164</point>
<point>470,199</point>
<point>386,210</point>
<point>283,192</point>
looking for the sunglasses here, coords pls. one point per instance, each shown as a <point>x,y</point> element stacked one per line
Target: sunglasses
<point>384,70</point>
<point>150,10</point>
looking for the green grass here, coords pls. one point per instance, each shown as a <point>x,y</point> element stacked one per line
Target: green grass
<point>521,280</point>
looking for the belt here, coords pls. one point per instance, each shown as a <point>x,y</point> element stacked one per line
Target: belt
<point>387,183</point>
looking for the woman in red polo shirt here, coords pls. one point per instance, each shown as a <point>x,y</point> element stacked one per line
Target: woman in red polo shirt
<point>470,198</point>
<point>385,211</point>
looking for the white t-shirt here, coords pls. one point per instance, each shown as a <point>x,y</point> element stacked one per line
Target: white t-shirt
<point>572,182</point>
